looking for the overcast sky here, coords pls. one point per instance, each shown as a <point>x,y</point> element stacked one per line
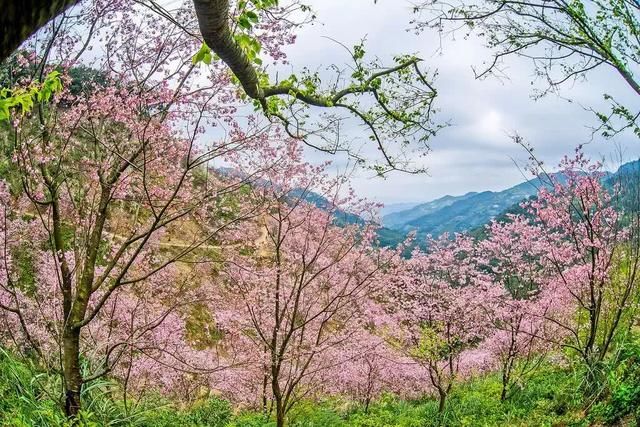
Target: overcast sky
<point>475,153</point>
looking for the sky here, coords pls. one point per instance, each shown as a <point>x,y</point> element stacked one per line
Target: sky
<point>476,152</point>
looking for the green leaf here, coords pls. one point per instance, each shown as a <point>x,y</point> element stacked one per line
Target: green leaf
<point>203,55</point>
<point>25,98</point>
<point>243,21</point>
<point>252,16</point>
<point>4,110</point>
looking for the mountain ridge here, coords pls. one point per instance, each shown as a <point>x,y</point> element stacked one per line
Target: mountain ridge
<point>454,214</point>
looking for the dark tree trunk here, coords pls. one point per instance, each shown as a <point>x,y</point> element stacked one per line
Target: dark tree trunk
<point>503,394</point>
<point>442,401</point>
<point>506,378</point>
<point>280,414</point>
<point>72,374</point>
<point>20,19</point>
<point>278,397</point>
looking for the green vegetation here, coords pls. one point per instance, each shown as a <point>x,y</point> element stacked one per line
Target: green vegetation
<point>23,99</point>
<point>552,398</point>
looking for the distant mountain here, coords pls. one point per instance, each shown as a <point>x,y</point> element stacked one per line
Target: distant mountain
<point>459,213</point>
<point>628,178</point>
<point>396,207</point>
<point>397,220</point>
<point>386,236</point>
<point>471,211</point>
<point>625,172</point>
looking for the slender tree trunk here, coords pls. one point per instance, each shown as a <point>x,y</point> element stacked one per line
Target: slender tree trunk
<point>265,383</point>
<point>280,413</point>
<point>278,396</point>
<point>506,378</point>
<point>443,400</point>
<point>71,367</point>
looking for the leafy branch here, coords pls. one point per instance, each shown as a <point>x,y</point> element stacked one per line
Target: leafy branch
<point>394,103</point>
<point>23,99</point>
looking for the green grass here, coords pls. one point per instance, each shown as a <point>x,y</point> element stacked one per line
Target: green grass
<point>26,397</point>
<point>552,398</point>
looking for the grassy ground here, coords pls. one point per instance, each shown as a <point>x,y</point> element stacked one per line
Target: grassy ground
<point>551,398</point>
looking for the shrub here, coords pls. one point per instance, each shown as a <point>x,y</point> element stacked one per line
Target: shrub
<point>623,385</point>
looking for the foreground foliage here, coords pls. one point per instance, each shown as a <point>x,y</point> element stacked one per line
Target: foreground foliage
<point>552,397</point>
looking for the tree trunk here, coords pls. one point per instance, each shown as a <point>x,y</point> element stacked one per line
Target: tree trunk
<point>278,398</point>
<point>266,410</point>
<point>503,394</point>
<point>71,368</point>
<point>279,414</point>
<point>213,19</point>
<point>20,19</point>
<point>506,377</point>
<point>443,401</point>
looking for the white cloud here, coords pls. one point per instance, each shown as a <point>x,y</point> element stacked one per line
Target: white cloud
<point>476,152</point>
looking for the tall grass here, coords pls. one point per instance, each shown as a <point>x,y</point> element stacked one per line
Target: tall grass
<point>553,397</point>
<point>27,397</point>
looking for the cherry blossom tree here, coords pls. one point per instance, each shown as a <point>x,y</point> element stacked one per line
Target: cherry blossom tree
<point>515,253</point>
<point>109,173</point>
<point>301,290</point>
<point>365,376</point>
<point>594,255</point>
<point>438,300</point>
<point>105,188</point>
